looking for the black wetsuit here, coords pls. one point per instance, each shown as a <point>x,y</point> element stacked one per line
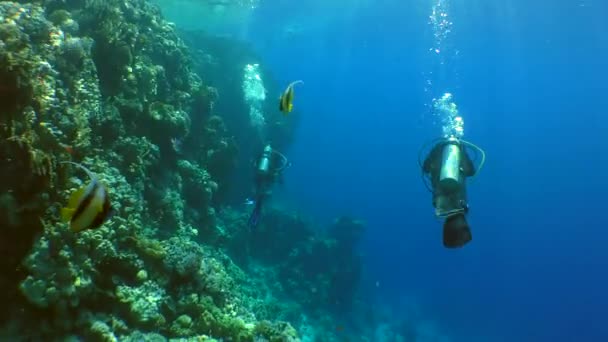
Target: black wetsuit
<point>264,180</point>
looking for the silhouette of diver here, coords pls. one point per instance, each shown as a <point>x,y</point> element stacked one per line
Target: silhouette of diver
<point>447,166</point>
<point>268,170</point>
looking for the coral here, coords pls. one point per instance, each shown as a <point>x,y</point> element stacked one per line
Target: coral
<point>144,302</point>
<point>100,331</point>
<point>221,150</point>
<point>62,266</point>
<point>169,207</point>
<point>138,336</point>
<point>183,258</point>
<point>198,186</point>
<point>182,326</point>
<point>171,122</point>
<point>149,248</point>
<point>46,87</point>
<point>277,332</point>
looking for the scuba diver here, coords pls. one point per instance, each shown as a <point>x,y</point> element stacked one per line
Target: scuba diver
<point>447,166</point>
<point>268,170</point>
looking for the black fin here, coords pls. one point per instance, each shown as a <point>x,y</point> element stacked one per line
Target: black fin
<point>254,218</point>
<point>456,231</point>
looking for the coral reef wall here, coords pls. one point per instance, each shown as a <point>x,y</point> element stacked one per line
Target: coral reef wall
<point>110,84</point>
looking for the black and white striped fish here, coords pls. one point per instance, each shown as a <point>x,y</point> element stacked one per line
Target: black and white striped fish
<point>286,99</point>
<point>88,207</point>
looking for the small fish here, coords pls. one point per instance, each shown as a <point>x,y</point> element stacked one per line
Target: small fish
<point>88,207</point>
<point>249,201</point>
<point>286,99</point>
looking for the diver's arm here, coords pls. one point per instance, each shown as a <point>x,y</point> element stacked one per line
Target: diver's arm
<point>432,158</point>
<point>426,166</point>
<point>468,168</point>
<point>280,162</point>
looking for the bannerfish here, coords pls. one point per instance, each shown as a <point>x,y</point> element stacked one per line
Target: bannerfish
<point>89,206</point>
<point>286,99</point>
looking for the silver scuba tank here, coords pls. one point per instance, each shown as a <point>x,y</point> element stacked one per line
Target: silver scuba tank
<point>450,177</point>
<point>264,164</point>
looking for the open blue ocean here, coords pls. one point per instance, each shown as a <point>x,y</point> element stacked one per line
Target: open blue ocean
<point>529,79</point>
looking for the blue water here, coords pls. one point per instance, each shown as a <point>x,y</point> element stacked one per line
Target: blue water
<point>530,79</point>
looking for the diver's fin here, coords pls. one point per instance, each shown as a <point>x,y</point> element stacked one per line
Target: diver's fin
<point>254,218</point>
<point>456,231</point>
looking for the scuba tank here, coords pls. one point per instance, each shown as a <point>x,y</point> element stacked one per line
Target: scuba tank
<point>450,177</point>
<point>264,163</point>
<point>263,172</point>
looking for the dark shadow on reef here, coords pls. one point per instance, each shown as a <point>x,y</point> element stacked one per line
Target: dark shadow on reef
<point>320,269</point>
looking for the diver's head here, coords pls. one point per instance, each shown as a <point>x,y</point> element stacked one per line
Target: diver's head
<point>456,231</point>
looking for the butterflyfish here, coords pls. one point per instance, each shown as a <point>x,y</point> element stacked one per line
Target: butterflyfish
<point>286,99</point>
<point>89,206</point>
